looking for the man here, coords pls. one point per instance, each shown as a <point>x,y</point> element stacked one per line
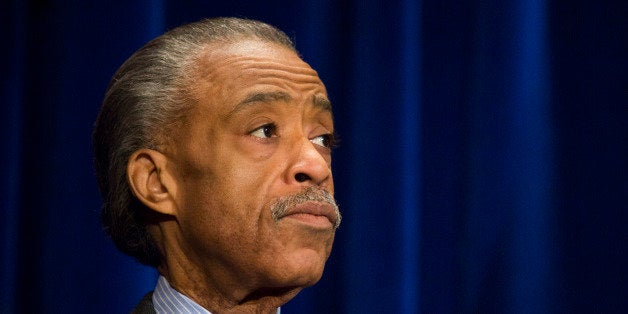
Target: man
<point>213,154</point>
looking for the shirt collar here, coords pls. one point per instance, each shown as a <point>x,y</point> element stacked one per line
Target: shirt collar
<point>168,300</point>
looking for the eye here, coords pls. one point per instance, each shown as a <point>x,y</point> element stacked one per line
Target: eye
<point>324,140</point>
<point>265,131</point>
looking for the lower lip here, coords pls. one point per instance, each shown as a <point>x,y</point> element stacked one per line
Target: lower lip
<point>312,220</point>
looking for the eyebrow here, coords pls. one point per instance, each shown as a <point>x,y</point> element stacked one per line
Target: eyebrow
<point>267,97</point>
<point>321,102</point>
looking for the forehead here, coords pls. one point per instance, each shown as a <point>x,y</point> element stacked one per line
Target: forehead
<point>229,73</point>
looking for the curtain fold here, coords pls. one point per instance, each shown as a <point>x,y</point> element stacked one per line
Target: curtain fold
<point>12,19</point>
<point>410,145</point>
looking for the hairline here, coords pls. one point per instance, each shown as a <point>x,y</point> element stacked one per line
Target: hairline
<point>189,83</point>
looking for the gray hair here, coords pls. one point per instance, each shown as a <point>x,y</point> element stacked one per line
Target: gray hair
<point>147,94</point>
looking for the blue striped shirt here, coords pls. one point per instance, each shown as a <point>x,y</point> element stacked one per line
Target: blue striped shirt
<point>167,300</point>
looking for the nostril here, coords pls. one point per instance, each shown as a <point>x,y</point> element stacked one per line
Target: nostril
<point>302,177</point>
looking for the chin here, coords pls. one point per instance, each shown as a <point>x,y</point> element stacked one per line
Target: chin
<point>307,268</point>
<point>297,269</point>
<point>300,262</point>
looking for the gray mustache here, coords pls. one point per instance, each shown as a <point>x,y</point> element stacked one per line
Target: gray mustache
<point>310,194</point>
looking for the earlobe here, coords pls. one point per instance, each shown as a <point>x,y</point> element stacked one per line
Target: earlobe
<point>149,181</point>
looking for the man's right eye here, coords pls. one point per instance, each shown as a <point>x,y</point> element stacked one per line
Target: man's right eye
<point>265,131</point>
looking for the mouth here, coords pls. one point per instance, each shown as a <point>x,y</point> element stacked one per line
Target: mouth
<point>313,206</point>
<point>315,214</point>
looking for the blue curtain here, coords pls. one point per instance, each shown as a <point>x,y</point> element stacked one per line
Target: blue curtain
<point>482,167</point>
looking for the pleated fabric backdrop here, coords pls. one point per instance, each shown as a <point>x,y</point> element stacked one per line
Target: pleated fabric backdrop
<point>482,166</point>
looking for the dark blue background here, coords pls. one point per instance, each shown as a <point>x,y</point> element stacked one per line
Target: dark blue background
<point>482,166</point>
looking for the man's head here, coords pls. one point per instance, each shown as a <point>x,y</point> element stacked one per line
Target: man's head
<point>213,154</point>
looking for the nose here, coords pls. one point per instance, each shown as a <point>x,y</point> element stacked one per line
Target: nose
<point>309,167</point>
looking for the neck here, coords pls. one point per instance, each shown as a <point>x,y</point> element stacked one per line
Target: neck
<point>220,300</point>
<point>215,286</point>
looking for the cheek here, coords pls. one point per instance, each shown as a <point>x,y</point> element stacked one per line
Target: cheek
<point>216,220</point>
<point>255,171</point>
<point>230,196</point>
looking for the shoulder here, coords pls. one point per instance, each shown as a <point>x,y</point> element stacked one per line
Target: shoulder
<point>145,306</point>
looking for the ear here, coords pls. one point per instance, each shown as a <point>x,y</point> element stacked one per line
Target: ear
<point>151,182</point>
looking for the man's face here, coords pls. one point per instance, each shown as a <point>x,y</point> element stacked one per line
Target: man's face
<point>259,133</point>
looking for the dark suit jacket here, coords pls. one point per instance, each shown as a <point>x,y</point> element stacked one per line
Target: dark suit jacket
<point>145,306</point>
